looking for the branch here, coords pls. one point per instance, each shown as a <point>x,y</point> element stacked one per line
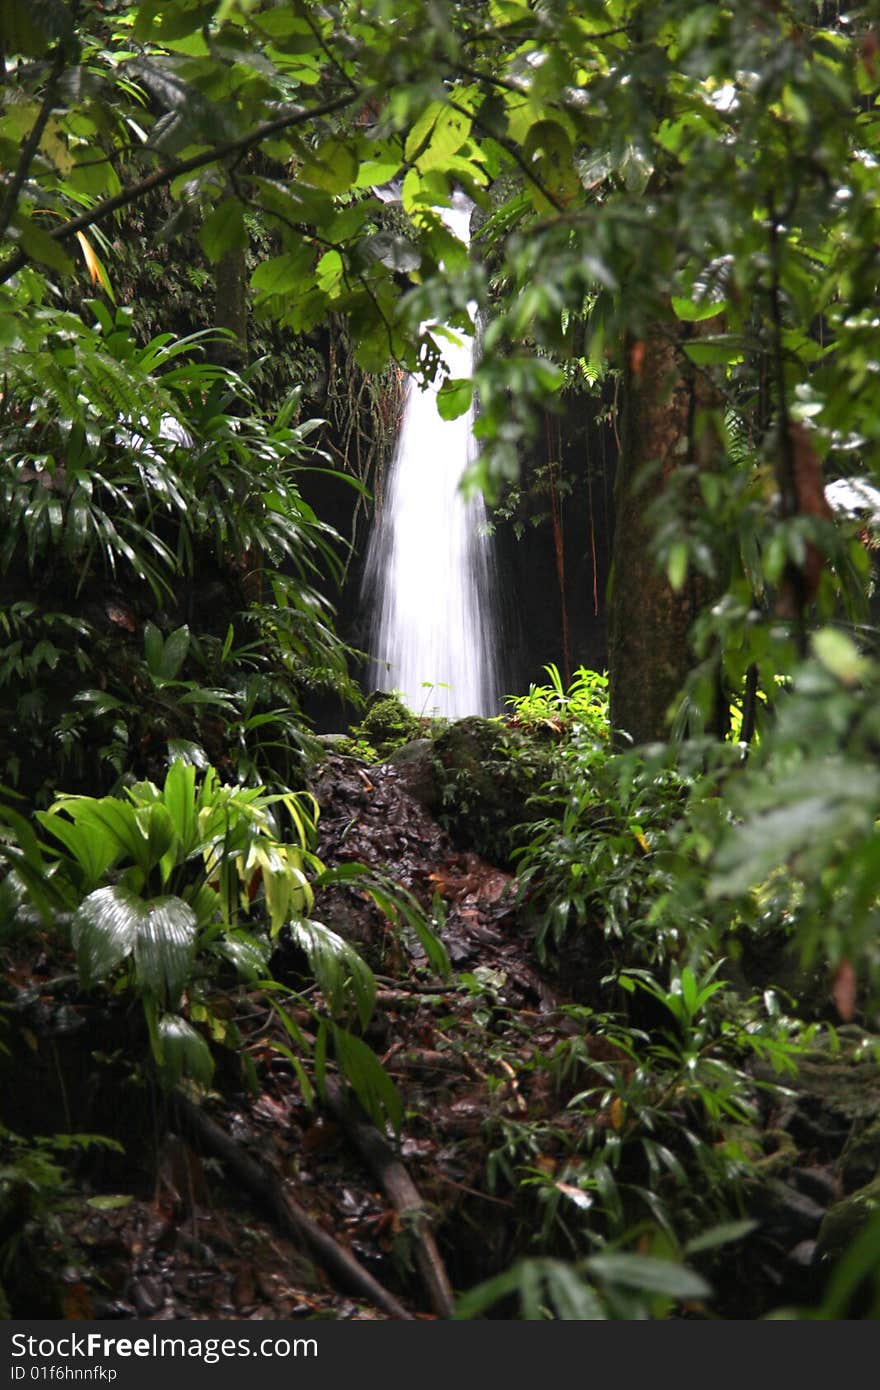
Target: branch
<point>401,1190</point>
<point>172,171</point>
<point>498,32</point>
<point>328,52</point>
<point>308,235</point>
<point>266,1187</point>
<point>502,82</point>
<point>31,144</point>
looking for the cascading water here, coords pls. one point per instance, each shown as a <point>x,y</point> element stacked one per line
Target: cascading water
<point>429,563</point>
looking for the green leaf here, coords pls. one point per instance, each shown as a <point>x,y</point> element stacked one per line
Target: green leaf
<point>648,1274</point>
<point>119,819</point>
<point>449,129</point>
<point>839,655</point>
<point>422,191</point>
<point>677,566</point>
<point>378,170</point>
<point>249,956</point>
<point>164,945</point>
<point>340,972</point>
<point>92,846</point>
<point>283,274</point>
<point>368,1079</point>
<point>689,990</point>
<point>721,350</point>
<point>174,653</point>
<point>153,647</point>
<point>696,311</point>
<point>333,167</point>
<point>223,230</point>
<point>40,246</point>
<point>104,930</point>
<point>454,398</point>
<point>491,1291</point>
<point>113,1202</point>
<point>570,1294</point>
<point>723,1234</point>
<point>181,1051</point>
<point>329,272</point>
<point>814,807</point>
<point>548,151</point>
<point>178,795</point>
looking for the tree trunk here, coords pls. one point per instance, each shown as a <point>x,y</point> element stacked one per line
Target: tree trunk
<point>650,652</point>
<point>231,307</point>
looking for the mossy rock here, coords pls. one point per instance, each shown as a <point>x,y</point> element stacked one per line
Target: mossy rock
<point>387,723</point>
<point>860,1160</point>
<point>846,1220</point>
<point>343,745</point>
<point>414,765</point>
<point>486,774</point>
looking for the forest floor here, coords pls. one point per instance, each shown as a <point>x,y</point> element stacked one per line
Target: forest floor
<point>212,1211</point>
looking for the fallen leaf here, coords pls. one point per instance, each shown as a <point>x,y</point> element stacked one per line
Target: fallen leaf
<point>576,1194</point>
<point>844,989</point>
<point>78,1304</point>
<point>121,616</point>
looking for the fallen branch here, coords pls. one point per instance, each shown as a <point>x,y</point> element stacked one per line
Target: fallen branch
<point>423,1059</point>
<point>400,1189</point>
<point>266,1188</point>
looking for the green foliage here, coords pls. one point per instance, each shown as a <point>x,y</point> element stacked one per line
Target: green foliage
<point>620,1285</point>
<point>661,1129</point>
<point>170,886</point>
<point>386,724</point>
<point>485,773</point>
<point>583,706</point>
<point>608,1286</point>
<point>154,478</point>
<point>122,459</point>
<point>802,845</point>
<point>35,1193</point>
<point>595,869</point>
<point>700,176</point>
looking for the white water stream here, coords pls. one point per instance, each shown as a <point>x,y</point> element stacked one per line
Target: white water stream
<point>429,563</point>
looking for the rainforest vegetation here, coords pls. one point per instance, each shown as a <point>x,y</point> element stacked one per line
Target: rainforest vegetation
<point>570,1013</point>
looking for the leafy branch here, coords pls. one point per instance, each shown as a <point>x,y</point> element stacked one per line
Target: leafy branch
<point>32,142</point>
<point>161,177</point>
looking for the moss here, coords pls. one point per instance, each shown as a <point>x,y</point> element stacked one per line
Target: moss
<point>387,724</point>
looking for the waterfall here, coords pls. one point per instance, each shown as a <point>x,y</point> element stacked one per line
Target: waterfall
<point>429,563</point>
